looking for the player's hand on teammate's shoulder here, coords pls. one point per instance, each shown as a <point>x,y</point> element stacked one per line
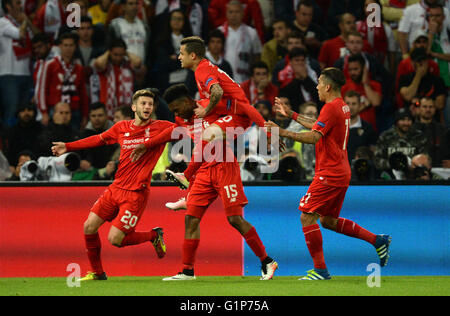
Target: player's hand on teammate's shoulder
<point>58,148</point>
<point>138,152</point>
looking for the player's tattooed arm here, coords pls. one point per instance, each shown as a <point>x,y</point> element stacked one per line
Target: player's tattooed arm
<point>216,94</point>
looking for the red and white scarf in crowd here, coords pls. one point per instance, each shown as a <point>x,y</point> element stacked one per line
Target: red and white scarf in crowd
<point>376,36</point>
<point>21,47</point>
<point>113,87</point>
<point>67,78</point>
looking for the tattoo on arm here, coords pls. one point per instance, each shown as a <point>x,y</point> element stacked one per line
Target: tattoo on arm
<point>216,95</point>
<point>306,121</point>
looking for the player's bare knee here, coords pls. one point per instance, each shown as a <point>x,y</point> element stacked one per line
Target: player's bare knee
<point>308,219</point>
<point>89,227</point>
<point>328,223</point>
<point>235,221</point>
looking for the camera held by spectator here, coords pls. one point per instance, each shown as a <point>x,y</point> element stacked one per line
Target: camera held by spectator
<point>50,168</point>
<point>399,163</point>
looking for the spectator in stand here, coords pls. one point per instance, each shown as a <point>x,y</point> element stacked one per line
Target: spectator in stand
<point>370,90</point>
<point>439,48</point>
<point>400,138</point>
<point>406,65</point>
<point>169,69</point>
<point>283,74</point>
<point>286,9</point>
<point>422,83</point>
<point>259,87</point>
<point>361,132</point>
<point>63,81</point>
<point>23,135</point>
<point>339,7</point>
<point>195,10</point>
<point>356,45</point>
<point>306,152</point>
<point>87,50</point>
<point>434,131</point>
<point>335,48</point>
<point>313,34</point>
<point>302,88</point>
<point>251,15</point>
<point>363,167</point>
<point>96,158</point>
<point>134,32</point>
<point>242,44</point>
<point>99,12</point>
<point>276,48</point>
<point>122,113</point>
<point>15,51</point>
<point>21,158</point>
<point>51,17</point>
<point>255,133</point>
<point>381,39</point>
<point>413,19</point>
<point>145,11</point>
<point>215,49</point>
<point>59,127</point>
<point>42,54</point>
<point>113,80</point>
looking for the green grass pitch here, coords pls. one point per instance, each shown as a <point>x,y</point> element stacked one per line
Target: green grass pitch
<point>229,286</point>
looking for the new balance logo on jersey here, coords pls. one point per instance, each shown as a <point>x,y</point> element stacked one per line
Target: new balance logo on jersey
<point>126,134</point>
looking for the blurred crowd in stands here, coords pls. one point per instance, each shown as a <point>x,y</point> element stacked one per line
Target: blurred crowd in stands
<point>68,70</point>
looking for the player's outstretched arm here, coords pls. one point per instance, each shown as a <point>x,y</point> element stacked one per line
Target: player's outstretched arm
<point>307,138</point>
<point>59,148</point>
<point>284,110</point>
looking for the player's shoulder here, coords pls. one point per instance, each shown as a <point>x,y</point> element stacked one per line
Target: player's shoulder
<point>163,124</point>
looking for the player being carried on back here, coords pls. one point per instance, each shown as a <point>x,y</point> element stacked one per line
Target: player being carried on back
<point>215,177</point>
<point>225,99</point>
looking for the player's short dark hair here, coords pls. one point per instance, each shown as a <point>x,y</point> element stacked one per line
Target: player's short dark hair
<point>143,93</point>
<point>334,77</point>
<point>194,44</point>
<point>97,105</point>
<point>176,92</point>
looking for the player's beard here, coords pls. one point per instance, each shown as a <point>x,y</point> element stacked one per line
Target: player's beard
<point>143,117</point>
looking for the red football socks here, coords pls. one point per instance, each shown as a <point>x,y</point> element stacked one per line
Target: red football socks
<point>93,249</point>
<point>254,242</point>
<point>350,228</point>
<point>189,250</point>
<point>136,238</point>
<point>313,237</point>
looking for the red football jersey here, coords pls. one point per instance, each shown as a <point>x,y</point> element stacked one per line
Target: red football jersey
<point>130,175</point>
<point>331,151</point>
<point>234,100</point>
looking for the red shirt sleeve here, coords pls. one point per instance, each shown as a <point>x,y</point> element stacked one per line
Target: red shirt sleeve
<point>325,120</point>
<point>88,142</point>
